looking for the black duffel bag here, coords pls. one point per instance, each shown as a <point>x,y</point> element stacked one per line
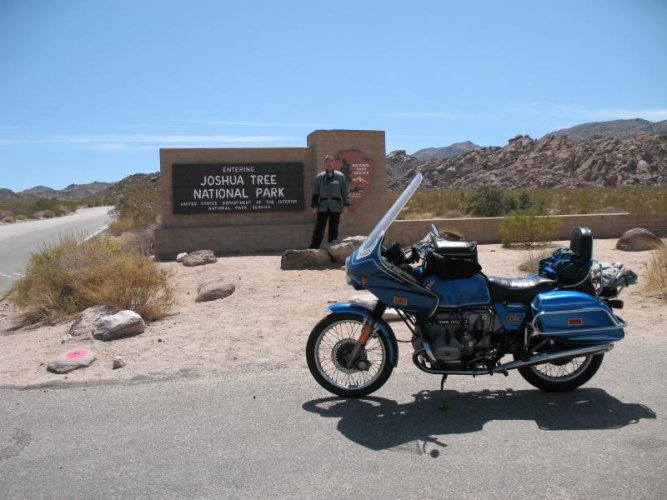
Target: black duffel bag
<point>451,260</point>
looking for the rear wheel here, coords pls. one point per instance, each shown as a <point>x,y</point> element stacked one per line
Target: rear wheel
<point>564,375</point>
<point>329,346</point>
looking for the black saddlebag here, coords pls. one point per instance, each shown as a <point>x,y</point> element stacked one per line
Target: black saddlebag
<point>453,260</point>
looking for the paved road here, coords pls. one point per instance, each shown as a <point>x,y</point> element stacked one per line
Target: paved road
<point>18,241</point>
<point>277,434</point>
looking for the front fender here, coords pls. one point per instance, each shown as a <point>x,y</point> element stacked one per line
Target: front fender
<point>365,312</point>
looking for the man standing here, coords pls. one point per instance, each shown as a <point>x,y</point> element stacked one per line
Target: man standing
<point>329,198</point>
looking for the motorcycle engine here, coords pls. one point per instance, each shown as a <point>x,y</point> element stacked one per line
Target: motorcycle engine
<point>456,335</point>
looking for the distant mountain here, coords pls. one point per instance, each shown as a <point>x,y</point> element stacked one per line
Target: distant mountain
<point>71,192</point>
<point>38,192</point>
<point>551,162</point>
<point>452,151</point>
<point>7,194</point>
<point>616,129</point>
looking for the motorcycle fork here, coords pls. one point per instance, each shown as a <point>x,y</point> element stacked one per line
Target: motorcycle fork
<point>354,361</point>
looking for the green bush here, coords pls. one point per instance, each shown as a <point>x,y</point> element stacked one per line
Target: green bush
<point>65,278</point>
<point>487,202</point>
<point>527,228</point>
<point>136,206</point>
<point>491,202</point>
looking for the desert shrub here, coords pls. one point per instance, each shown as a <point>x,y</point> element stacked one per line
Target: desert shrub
<point>139,242</point>
<point>528,228</point>
<point>491,202</point>
<point>487,202</point>
<point>656,276</point>
<point>531,263</point>
<point>130,281</point>
<point>632,199</point>
<point>44,214</point>
<point>136,206</point>
<point>67,277</point>
<point>524,202</point>
<point>40,208</point>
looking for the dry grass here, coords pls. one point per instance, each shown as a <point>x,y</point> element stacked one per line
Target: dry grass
<point>532,262</point>
<point>528,229</point>
<point>66,278</point>
<point>656,279</point>
<point>562,201</point>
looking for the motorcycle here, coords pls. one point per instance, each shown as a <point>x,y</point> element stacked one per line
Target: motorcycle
<point>555,325</point>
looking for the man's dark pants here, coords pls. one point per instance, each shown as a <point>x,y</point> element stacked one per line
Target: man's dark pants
<point>318,233</point>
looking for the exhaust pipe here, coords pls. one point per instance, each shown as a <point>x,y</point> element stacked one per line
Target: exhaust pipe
<point>548,357</point>
<point>545,357</point>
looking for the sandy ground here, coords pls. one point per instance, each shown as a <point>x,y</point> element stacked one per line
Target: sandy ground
<point>263,326</point>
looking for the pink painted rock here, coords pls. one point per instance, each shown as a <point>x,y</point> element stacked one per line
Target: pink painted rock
<point>71,360</point>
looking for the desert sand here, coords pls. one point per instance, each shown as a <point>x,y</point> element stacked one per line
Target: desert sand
<point>263,326</point>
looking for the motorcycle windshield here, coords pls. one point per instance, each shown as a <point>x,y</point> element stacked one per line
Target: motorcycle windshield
<point>377,233</point>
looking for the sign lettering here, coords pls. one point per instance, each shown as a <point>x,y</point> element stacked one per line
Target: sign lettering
<point>256,187</point>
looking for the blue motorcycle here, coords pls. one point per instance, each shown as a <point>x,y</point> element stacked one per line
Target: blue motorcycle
<point>554,326</point>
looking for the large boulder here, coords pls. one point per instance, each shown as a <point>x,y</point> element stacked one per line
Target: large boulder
<point>214,289</point>
<point>341,251</point>
<point>637,240</point>
<point>115,326</point>
<point>199,258</point>
<point>71,360</point>
<point>305,259</point>
<point>84,324</point>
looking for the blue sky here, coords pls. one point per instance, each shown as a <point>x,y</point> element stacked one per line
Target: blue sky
<point>91,89</point>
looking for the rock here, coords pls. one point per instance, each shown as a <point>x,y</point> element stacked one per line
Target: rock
<point>84,324</point>
<point>181,256</point>
<point>637,240</point>
<point>118,362</point>
<point>305,259</point>
<point>199,258</point>
<point>214,289</point>
<point>341,251</point>
<point>71,360</point>
<point>122,324</point>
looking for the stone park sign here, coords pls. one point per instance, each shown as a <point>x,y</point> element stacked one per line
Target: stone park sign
<point>245,187</point>
<point>254,200</point>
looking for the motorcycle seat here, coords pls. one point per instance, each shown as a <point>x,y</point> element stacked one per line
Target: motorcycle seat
<point>518,289</point>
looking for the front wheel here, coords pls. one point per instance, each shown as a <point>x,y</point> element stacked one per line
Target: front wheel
<point>561,376</point>
<point>329,346</point>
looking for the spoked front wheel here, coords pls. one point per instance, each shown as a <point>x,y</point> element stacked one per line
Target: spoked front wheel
<point>329,348</point>
<point>561,376</point>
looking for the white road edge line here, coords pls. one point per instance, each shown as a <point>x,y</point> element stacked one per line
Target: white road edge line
<point>96,233</point>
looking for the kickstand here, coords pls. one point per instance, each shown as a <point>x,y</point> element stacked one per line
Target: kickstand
<point>442,406</point>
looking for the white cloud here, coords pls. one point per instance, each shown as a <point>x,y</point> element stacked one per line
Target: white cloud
<point>106,147</point>
<point>116,142</point>
<point>429,115</point>
<point>252,124</point>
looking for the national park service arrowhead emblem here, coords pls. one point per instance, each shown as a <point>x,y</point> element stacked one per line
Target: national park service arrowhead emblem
<point>358,171</point>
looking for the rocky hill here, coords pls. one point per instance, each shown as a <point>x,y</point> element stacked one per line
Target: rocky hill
<point>553,161</point>
<point>615,129</point>
<point>456,149</point>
